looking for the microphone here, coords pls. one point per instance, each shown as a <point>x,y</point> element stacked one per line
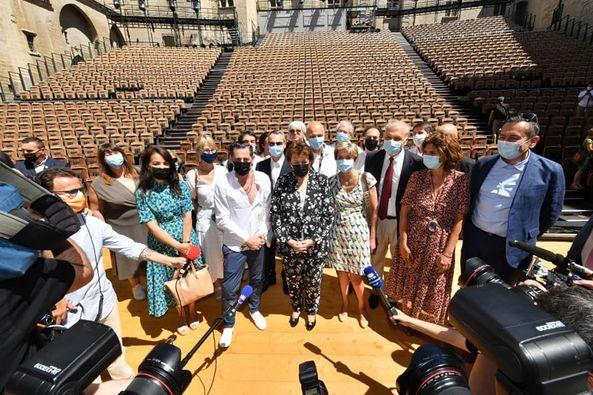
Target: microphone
<point>245,293</point>
<point>192,254</point>
<point>375,281</point>
<point>557,259</point>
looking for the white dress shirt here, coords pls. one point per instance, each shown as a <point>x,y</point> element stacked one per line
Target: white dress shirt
<point>276,168</point>
<point>586,99</point>
<point>235,216</point>
<point>398,163</point>
<point>92,238</point>
<point>326,162</point>
<point>41,167</point>
<point>491,213</point>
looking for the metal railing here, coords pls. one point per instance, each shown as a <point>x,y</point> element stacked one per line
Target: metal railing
<point>180,12</point>
<point>580,30</point>
<point>43,67</point>
<point>273,5</point>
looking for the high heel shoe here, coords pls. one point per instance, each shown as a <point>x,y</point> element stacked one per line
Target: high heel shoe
<point>311,325</point>
<point>294,321</point>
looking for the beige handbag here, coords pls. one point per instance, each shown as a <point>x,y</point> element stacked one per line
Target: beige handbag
<point>189,285</point>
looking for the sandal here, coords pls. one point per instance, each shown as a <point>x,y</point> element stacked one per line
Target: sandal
<point>183,330</point>
<point>342,316</point>
<point>194,324</point>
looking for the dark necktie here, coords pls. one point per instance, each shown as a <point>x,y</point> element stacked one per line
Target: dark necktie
<point>386,190</point>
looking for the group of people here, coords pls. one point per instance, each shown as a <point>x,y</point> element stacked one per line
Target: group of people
<point>315,205</point>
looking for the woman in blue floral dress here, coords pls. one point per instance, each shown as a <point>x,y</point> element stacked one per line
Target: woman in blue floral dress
<point>164,205</point>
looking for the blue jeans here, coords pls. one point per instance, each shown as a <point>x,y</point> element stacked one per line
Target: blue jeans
<point>234,266</point>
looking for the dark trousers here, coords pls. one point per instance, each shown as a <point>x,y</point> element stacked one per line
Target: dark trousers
<point>234,266</point>
<point>303,276</point>
<point>270,261</point>
<point>491,249</point>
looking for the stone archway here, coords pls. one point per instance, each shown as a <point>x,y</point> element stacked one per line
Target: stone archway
<point>116,38</point>
<point>76,26</point>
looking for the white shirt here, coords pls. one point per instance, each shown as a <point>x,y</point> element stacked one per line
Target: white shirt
<point>398,163</point>
<point>496,196</point>
<point>235,217</point>
<point>325,163</point>
<point>41,167</point>
<point>586,100</point>
<point>276,168</point>
<point>91,239</point>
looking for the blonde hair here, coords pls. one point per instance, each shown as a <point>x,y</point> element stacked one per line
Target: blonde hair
<point>350,148</point>
<point>205,140</point>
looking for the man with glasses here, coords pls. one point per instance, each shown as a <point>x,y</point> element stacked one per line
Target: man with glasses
<point>36,158</point>
<point>515,195</point>
<point>242,208</point>
<point>274,167</point>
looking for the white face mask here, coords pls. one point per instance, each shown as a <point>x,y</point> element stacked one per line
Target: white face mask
<point>419,139</point>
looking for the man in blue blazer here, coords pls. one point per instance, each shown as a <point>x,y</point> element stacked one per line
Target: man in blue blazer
<point>36,158</point>
<point>516,195</point>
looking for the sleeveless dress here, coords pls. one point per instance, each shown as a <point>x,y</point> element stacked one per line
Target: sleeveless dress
<point>119,211</point>
<point>161,205</point>
<point>349,238</point>
<point>210,236</point>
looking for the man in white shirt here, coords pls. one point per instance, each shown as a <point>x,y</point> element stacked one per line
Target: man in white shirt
<point>392,166</point>
<point>585,99</point>
<point>344,134</point>
<point>36,158</point>
<point>242,207</point>
<point>324,161</point>
<point>274,167</point>
<point>97,300</point>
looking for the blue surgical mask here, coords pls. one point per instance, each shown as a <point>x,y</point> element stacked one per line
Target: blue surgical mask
<point>209,157</point>
<point>316,142</point>
<point>508,149</point>
<point>432,161</point>
<point>392,147</point>
<point>342,137</point>
<point>276,150</point>
<point>344,165</point>
<point>116,160</point>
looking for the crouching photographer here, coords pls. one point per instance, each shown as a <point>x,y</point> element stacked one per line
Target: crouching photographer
<point>31,283</point>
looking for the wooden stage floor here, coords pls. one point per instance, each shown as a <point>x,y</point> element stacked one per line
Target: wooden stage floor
<point>350,360</point>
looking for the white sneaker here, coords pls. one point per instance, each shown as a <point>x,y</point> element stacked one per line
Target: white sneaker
<point>138,292</point>
<point>226,338</point>
<point>259,320</point>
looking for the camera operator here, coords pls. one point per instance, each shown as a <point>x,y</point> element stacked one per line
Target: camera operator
<point>96,301</point>
<point>25,299</point>
<point>581,250</point>
<point>568,304</point>
<point>585,100</point>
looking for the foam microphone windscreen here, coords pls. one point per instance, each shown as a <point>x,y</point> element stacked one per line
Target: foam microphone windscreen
<point>193,253</point>
<point>373,277</point>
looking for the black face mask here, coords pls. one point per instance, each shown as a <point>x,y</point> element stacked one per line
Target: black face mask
<point>300,170</point>
<point>370,145</point>
<point>30,156</point>
<point>242,168</point>
<point>160,173</point>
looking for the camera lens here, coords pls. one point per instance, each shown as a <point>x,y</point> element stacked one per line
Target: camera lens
<point>433,370</point>
<point>477,272</point>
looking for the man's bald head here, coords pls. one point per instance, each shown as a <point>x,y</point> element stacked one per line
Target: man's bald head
<point>396,130</point>
<point>448,129</point>
<point>315,129</point>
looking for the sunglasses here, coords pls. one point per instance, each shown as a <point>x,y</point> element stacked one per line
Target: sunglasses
<point>72,192</point>
<point>271,144</point>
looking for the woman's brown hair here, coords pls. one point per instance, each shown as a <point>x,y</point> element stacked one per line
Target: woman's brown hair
<point>297,149</point>
<point>447,146</point>
<point>106,173</point>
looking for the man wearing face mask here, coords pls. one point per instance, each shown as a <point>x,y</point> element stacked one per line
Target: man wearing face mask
<point>515,195</point>
<point>97,300</point>
<point>392,166</point>
<point>344,134</point>
<point>323,155</point>
<point>36,158</point>
<point>274,167</point>
<point>242,209</point>
<point>419,133</point>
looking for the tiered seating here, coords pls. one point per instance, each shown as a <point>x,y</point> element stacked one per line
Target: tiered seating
<point>74,129</point>
<point>131,73</point>
<point>481,53</point>
<point>365,78</point>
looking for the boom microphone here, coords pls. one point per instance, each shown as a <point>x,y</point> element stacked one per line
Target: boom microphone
<point>557,259</point>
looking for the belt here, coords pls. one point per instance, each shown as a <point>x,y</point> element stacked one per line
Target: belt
<point>390,217</point>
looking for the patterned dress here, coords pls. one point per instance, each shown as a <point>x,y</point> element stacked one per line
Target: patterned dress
<point>418,286</point>
<point>349,241</point>
<point>160,204</point>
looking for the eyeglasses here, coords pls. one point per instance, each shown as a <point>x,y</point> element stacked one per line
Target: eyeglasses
<point>526,116</point>
<point>72,192</point>
<point>278,143</point>
<point>294,131</point>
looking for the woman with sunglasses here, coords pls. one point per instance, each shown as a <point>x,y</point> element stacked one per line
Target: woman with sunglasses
<point>164,205</point>
<point>202,180</point>
<point>113,194</point>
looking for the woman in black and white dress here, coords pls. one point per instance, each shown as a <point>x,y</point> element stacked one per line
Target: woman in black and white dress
<point>302,215</point>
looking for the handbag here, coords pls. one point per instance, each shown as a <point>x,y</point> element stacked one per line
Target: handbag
<point>189,285</point>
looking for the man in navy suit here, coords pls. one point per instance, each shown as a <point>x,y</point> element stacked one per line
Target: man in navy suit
<point>275,166</point>
<point>515,195</point>
<point>391,167</point>
<point>36,158</point>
